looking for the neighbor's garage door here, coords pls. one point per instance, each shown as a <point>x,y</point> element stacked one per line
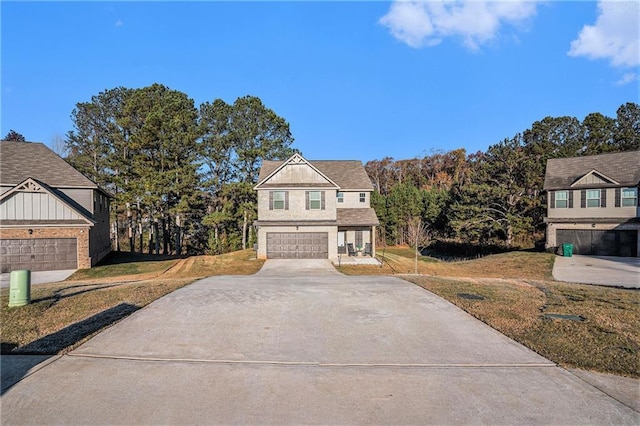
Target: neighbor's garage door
<point>600,243</point>
<point>297,245</point>
<point>39,254</point>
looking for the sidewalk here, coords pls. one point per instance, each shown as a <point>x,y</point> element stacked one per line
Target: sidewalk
<point>39,277</point>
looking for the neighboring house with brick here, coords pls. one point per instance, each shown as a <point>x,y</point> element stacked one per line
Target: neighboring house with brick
<point>592,203</point>
<point>314,209</point>
<point>51,216</point>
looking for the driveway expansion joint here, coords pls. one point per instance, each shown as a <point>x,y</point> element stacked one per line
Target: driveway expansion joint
<point>315,363</point>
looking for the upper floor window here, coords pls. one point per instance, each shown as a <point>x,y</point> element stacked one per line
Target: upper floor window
<point>363,197</point>
<point>593,198</point>
<point>562,199</point>
<point>341,197</point>
<point>315,200</point>
<point>278,200</point>
<point>629,197</point>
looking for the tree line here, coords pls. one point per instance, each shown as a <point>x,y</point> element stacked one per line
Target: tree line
<point>492,197</point>
<point>181,177</point>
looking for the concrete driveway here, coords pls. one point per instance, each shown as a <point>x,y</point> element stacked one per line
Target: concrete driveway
<point>318,348</point>
<point>39,277</point>
<point>601,270</point>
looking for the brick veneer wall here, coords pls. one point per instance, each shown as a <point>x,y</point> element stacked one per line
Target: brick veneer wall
<point>81,234</point>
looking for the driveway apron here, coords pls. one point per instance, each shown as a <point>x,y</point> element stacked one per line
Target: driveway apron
<point>291,347</point>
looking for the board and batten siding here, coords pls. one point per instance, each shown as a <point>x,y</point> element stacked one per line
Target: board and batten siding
<point>35,206</point>
<point>297,174</point>
<point>84,197</point>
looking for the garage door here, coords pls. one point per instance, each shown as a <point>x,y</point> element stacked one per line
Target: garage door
<point>39,254</point>
<point>600,243</point>
<point>297,245</point>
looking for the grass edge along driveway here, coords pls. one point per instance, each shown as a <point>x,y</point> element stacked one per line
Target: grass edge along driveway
<point>512,292</point>
<point>574,325</point>
<point>62,316</point>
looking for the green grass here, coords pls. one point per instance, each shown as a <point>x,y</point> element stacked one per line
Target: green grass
<point>122,264</point>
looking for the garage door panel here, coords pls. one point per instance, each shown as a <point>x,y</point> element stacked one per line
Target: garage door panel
<point>39,254</point>
<point>600,243</point>
<point>297,245</point>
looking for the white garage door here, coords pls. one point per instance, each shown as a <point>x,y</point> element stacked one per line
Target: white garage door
<point>39,254</point>
<point>297,245</point>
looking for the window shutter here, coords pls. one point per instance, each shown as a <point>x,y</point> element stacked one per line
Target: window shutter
<point>603,197</point>
<point>270,200</point>
<point>583,198</point>
<point>570,199</point>
<point>322,200</point>
<point>617,197</point>
<point>306,200</point>
<point>552,199</point>
<point>286,200</point>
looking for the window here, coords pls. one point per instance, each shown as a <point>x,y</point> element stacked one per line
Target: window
<point>363,197</point>
<point>341,197</point>
<point>562,199</point>
<point>314,200</point>
<point>278,200</point>
<point>593,198</point>
<point>629,197</point>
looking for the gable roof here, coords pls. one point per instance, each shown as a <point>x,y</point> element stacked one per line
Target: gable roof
<point>22,160</point>
<point>346,174</point>
<point>33,185</point>
<point>621,167</point>
<point>296,159</point>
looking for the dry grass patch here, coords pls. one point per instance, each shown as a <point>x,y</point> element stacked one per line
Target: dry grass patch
<point>607,340</point>
<point>400,260</point>
<point>63,315</point>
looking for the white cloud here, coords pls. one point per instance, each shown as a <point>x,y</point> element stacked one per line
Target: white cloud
<point>119,23</point>
<point>615,35</point>
<point>627,78</point>
<point>419,23</point>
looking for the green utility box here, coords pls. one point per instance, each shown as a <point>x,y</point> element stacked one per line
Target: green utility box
<point>567,250</point>
<point>20,288</point>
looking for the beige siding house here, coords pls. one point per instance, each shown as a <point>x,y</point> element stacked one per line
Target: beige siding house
<point>592,203</point>
<point>51,216</point>
<point>314,209</point>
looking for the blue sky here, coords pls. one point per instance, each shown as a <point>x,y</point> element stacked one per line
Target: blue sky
<point>355,80</point>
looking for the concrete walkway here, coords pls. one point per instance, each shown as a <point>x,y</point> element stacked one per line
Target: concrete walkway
<point>319,348</point>
<point>39,277</point>
<point>601,270</point>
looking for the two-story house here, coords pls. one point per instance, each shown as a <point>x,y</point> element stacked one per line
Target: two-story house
<point>314,209</point>
<point>592,203</point>
<point>51,216</point>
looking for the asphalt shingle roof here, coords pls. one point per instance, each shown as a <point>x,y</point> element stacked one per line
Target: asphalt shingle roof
<point>22,160</point>
<point>347,174</point>
<point>357,217</point>
<point>623,167</point>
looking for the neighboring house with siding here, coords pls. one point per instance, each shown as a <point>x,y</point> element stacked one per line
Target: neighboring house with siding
<point>314,209</point>
<point>592,203</point>
<point>51,216</point>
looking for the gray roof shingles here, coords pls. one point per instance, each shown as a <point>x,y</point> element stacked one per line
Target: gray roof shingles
<point>623,167</point>
<point>347,174</point>
<point>22,160</point>
<point>357,217</point>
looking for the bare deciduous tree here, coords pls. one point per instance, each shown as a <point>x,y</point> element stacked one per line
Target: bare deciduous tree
<point>417,235</point>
